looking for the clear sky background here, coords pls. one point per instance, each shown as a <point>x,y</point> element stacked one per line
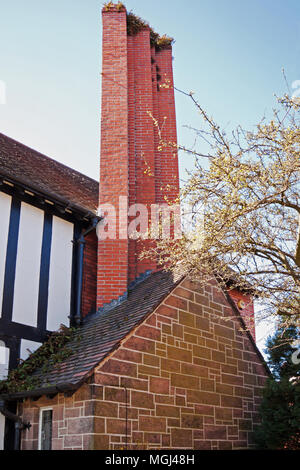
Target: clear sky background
<point>229,52</point>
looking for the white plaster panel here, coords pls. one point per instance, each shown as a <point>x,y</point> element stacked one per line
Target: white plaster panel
<point>25,304</point>
<point>60,277</point>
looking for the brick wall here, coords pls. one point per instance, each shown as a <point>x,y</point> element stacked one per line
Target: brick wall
<point>89,281</point>
<point>187,377</point>
<point>141,135</point>
<point>137,86</point>
<point>74,423</point>
<point>167,184</point>
<point>247,311</point>
<point>113,254</point>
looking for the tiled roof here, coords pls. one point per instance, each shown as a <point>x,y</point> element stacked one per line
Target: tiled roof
<point>40,173</point>
<point>101,333</point>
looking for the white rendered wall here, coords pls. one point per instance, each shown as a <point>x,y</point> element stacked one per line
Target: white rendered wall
<point>59,297</point>
<point>25,306</point>
<point>4,359</point>
<point>5,204</point>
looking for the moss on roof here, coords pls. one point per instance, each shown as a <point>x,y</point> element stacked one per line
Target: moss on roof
<point>54,350</point>
<point>71,355</point>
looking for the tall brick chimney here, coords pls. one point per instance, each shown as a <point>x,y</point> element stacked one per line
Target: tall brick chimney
<point>137,103</point>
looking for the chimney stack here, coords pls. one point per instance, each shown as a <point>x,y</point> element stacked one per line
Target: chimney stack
<point>138,110</point>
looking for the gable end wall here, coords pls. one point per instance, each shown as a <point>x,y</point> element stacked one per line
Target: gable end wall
<point>187,377</point>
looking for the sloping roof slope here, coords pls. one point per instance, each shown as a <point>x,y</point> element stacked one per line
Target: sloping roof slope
<point>30,168</point>
<point>101,333</point>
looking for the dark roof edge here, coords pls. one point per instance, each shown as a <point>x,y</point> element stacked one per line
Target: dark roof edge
<point>231,282</point>
<point>63,388</point>
<point>52,390</point>
<point>49,195</point>
<point>49,158</point>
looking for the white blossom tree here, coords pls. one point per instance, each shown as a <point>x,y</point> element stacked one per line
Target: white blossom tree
<point>247,195</point>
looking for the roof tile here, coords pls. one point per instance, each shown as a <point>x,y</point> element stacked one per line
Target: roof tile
<point>47,176</point>
<point>102,332</point>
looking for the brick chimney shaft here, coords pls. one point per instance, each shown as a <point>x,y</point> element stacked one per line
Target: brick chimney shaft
<point>137,86</point>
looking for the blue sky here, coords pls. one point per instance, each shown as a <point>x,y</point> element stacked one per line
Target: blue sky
<point>229,52</point>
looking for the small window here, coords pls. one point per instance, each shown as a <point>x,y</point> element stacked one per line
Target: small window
<point>4,360</point>
<point>45,429</point>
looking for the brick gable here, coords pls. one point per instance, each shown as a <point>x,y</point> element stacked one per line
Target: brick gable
<point>189,376</point>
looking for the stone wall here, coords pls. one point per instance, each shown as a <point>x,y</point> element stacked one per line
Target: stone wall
<point>73,421</point>
<point>187,377</point>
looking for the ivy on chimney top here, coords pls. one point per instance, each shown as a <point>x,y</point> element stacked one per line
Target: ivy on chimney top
<point>136,24</point>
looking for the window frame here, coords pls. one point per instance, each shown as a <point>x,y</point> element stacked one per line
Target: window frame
<point>41,423</point>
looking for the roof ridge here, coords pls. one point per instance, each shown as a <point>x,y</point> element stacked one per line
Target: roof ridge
<point>27,167</point>
<point>40,154</point>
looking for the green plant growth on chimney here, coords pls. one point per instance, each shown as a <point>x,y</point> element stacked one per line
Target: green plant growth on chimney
<point>114,6</point>
<point>136,24</point>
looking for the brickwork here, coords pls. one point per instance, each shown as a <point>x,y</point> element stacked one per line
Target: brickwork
<point>137,86</point>
<point>245,305</point>
<point>74,423</point>
<point>167,158</point>
<point>132,258</point>
<point>141,134</point>
<point>89,281</point>
<point>187,377</point>
<point>113,254</point>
